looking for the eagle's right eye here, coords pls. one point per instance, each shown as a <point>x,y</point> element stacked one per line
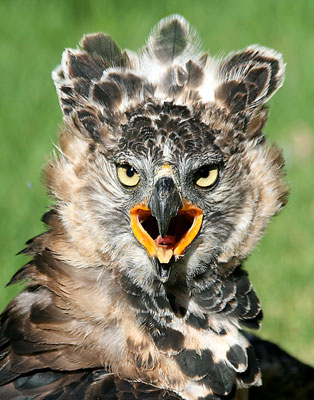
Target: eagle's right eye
<point>206,176</point>
<point>127,175</point>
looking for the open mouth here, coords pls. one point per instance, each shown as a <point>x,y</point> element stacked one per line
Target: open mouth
<point>182,230</point>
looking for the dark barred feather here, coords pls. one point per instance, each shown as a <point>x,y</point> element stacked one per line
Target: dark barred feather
<point>252,76</point>
<point>284,378</point>
<point>81,385</point>
<point>232,295</point>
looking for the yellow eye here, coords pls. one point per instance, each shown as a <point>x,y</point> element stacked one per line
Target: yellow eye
<point>206,176</point>
<point>127,175</point>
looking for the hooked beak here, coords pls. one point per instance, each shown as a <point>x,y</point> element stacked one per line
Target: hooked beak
<point>166,227</point>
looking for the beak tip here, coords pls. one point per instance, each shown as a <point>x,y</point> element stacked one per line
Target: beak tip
<point>163,269</point>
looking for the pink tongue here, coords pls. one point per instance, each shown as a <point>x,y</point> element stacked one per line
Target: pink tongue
<point>168,240</point>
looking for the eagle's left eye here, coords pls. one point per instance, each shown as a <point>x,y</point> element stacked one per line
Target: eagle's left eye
<point>206,176</point>
<point>127,175</point>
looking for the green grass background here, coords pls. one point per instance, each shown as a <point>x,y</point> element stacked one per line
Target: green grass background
<point>33,35</point>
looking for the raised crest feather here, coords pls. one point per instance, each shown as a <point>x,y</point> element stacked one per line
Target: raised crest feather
<point>249,78</point>
<point>102,46</point>
<point>170,67</point>
<point>171,39</point>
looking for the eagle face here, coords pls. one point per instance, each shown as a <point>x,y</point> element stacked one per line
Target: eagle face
<point>163,185</point>
<point>189,198</point>
<point>166,180</point>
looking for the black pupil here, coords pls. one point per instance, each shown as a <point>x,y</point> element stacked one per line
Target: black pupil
<point>130,171</point>
<point>204,171</point>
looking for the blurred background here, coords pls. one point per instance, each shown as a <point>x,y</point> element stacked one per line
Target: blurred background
<point>33,36</point>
